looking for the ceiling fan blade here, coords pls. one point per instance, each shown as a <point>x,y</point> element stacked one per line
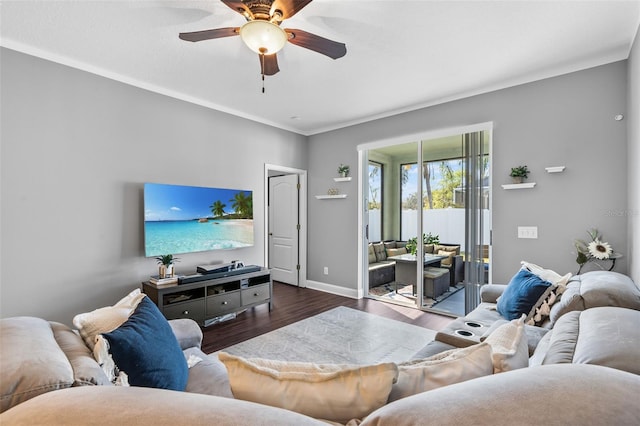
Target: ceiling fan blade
<point>268,64</point>
<point>239,7</point>
<point>330,48</point>
<point>210,34</point>
<point>289,7</point>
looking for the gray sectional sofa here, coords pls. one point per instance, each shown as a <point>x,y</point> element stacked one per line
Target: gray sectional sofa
<point>597,289</point>
<point>584,370</point>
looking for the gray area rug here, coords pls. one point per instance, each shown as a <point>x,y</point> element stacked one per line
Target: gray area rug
<point>341,335</point>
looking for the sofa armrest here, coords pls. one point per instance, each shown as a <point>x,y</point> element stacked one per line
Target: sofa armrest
<point>489,293</point>
<point>187,332</point>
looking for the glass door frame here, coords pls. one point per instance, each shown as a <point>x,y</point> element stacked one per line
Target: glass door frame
<point>363,166</point>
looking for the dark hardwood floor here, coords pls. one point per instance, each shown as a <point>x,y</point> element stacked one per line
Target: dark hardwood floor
<point>291,304</point>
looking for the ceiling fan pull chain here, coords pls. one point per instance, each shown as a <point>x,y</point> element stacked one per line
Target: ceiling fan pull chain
<point>262,60</point>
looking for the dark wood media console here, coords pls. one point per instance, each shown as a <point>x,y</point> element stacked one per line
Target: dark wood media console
<point>206,300</point>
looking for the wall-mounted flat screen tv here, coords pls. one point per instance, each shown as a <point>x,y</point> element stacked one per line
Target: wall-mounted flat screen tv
<point>185,219</point>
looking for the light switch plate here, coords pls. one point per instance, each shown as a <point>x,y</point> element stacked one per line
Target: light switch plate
<point>528,232</point>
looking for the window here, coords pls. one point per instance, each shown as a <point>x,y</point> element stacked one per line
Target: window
<point>375,201</point>
<point>443,188</point>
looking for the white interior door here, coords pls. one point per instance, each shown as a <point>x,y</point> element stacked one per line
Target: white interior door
<point>283,228</point>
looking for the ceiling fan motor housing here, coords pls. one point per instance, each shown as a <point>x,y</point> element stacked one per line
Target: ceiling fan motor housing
<point>259,9</point>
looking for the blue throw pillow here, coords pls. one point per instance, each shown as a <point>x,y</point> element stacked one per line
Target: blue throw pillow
<point>145,348</point>
<point>521,294</point>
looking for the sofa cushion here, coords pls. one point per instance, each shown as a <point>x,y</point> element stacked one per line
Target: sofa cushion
<point>594,289</point>
<point>32,362</point>
<point>106,319</point>
<point>396,251</point>
<point>109,406</point>
<point>380,251</point>
<point>549,395</point>
<point>324,391</point>
<point>440,247</point>
<point>509,348</point>
<point>522,294</point>
<point>452,366</point>
<point>447,261</point>
<point>607,336</point>
<point>145,348</point>
<point>385,264</point>
<point>372,254</point>
<point>390,244</point>
<point>86,371</point>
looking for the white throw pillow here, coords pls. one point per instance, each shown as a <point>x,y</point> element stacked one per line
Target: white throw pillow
<point>547,274</point>
<point>107,319</point>
<point>324,391</point>
<point>509,346</point>
<point>446,368</point>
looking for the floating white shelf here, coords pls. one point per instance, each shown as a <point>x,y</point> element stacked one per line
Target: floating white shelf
<point>555,169</point>
<point>343,179</point>
<point>519,185</point>
<point>331,197</point>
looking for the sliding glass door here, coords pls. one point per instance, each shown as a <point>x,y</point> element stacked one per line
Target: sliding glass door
<point>436,199</point>
<point>477,223</point>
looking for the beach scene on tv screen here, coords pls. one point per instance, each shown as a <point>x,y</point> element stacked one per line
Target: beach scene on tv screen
<point>184,219</point>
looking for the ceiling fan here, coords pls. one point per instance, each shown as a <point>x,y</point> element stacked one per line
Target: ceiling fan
<point>262,32</point>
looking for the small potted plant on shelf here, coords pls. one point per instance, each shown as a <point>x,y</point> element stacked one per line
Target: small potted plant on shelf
<point>166,265</point>
<point>518,174</point>
<point>343,170</point>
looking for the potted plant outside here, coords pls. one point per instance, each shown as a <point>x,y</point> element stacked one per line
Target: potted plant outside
<point>166,265</point>
<point>343,170</point>
<point>518,174</point>
<point>412,243</point>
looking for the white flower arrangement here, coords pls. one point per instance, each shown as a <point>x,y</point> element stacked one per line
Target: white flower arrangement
<point>596,249</point>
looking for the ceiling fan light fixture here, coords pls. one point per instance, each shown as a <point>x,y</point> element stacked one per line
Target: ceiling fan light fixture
<point>263,37</point>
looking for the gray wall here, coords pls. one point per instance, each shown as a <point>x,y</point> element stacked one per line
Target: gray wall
<point>76,150</point>
<point>633,160</point>
<point>567,120</point>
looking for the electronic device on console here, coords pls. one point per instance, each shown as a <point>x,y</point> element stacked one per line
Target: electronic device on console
<point>209,272</point>
<point>220,268</point>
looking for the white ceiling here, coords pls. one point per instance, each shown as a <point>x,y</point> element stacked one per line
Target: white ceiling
<point>401,55</point>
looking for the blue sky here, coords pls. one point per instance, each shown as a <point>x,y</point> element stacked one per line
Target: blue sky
<point>176,202</point>
<point>412,183</point>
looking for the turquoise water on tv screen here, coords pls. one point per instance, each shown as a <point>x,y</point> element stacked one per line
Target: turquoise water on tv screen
<point>184,236</point>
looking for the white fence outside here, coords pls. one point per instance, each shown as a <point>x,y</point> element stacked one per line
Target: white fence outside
<point>448,224</point>
<point>375,225</point>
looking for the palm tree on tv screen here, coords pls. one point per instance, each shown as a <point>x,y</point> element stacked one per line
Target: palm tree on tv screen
<point>217,208</point>
<point>243,205</point>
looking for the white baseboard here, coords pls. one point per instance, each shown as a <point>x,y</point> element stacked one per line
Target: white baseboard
<point>333,289</point>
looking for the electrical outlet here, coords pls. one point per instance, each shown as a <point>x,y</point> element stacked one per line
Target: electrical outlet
<point>326,270</point>
<point>528,232</point>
